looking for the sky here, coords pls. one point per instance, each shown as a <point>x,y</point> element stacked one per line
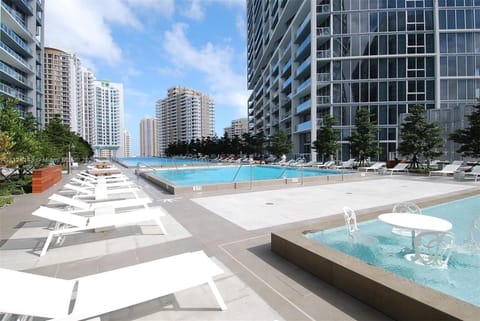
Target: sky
<point>152,45</point>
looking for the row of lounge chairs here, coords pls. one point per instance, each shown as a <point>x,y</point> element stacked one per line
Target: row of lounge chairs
<point>93,207</point>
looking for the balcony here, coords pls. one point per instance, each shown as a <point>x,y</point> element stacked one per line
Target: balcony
<point>15,93</point>
<point>303,66</point>
<point>323,9</point>
<point>22,80</point>
<point>286,50</point>
<point>287,82</point>
<point>323,100</point>
<point>304,85</point>
<point>305,126</point>
<point>302,27</point>
<point>19,42</point>
<point>15,59</point>
<point>323,77</point>
<point>286,116</point>
<point>17,21</point>
<point>303,46</point>
<point>303,106</point>
<point>323,31</point>
<point>287,66</point>
<point>323,54</point>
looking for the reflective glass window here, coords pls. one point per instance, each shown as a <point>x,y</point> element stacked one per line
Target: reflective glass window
<point>373,91</point>
<point>402,91</point>
<point>460,19</point>
<point>373,21</point>
<point>373,69</point>
<point>452,68</point>
<point>401,20</point>
<point>392,115</point>
<point>442,19</point>
<point>451,19</point>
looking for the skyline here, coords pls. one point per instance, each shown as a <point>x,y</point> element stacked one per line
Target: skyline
<point>150,46</point>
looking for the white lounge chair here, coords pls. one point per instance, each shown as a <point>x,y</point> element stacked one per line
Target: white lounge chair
<point>327,164</point>
<point>448,169</point>
<point>85,206</point>
<point>111,177</point>
<point>400,167</point>
<point>475,172</point>
<point>99,192</point>
<point>92,184</point>
<point>375,167</point>
<point>93,295</point>
<point>433,249</point>
<point>68,223</point>
<point>347,164</point>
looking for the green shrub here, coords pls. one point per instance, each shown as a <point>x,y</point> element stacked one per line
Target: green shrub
<point>6,200</point>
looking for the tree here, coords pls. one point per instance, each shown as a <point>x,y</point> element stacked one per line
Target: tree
<point>326,143</point>
<point>279,144</point>
<point>362,141</point>
<point>469,138</point>
<point>418,137</point>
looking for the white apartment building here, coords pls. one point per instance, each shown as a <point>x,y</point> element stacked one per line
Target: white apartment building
<point>127,147</point>
<point>238,127</point>
<point>109,113</point>
<point>149,137</point>
<point>185,114</point>
<point>21,55</point>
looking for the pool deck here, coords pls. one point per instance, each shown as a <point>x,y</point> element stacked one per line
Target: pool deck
<point>233,229</point>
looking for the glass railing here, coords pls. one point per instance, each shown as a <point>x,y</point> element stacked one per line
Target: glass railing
<point>303,65</point>
<point>287,82</point>
<point>304,106</point>
<point>14,74</point>
<point>323,54</point>
<point>287,49</point>
<point>18,18</point>
<point>323,100</point>
<point>323,76</point>
<point>304,85</point>
<point>287,65</point>
<point>13,92</point>
<point>304,44</point>
<point>28,5</point>
<point>274,81</point>
<point>324,8</point>
<point>304,126</point>
<point>19,41</point>
<point>14,54</point>
<point>275,67</point>
<point>286,115</point>
<point>302,26</point>
<point>323,31</point>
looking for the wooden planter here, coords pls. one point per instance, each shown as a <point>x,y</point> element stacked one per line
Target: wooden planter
<point>44,178</point>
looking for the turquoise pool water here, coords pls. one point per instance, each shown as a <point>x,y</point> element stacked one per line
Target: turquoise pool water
<point>158,161</point>
<point>218,175</point>
<point>462,277</point>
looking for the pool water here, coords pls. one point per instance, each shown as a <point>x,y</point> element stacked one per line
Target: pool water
<point>218,175</point>
<point>380,247</point>
<point>158,161</point>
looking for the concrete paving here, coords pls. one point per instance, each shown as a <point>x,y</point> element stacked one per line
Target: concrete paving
<point>233,229</point>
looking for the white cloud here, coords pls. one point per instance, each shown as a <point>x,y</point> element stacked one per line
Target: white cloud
<point>83,26</point>
<point>194,10</point>
<point>214,62</point>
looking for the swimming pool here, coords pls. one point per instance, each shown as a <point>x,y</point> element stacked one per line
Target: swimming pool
<point>461,279</point>
<point>391,289</point>
<point>159,161</point>
<point>180,180</point>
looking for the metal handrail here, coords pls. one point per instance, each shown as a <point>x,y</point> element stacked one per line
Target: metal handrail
<point>145,165</point>
<point>238,171</point>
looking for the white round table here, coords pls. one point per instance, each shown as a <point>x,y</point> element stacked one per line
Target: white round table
<point>416,222</point>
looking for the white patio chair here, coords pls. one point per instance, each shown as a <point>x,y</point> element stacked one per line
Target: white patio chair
<point>472,243</point>
<point>433,249</point>
<point>100,192</point>
<point>93,295</point>
<point>406,207</point>
<point>353,232</point>
<point>475,172</point>
<point>375,167</point>
<point>69,223</point>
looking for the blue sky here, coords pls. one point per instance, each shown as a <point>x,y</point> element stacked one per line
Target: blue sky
<point>152,45</point>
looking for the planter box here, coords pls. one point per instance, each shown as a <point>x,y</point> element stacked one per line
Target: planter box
<point>44,178</point>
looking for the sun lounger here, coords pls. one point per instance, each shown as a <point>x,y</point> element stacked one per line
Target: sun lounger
<point>400,167</point>
<point>92,184</point>
<point>375,167</point>
<point>327,164</point>
<point>68,223</point>
<point>475,172</point>
<point>99,192</point>
<point>346,164</point>
<point>132,202</point>
<point>93,295</point>
<point>448,169</point>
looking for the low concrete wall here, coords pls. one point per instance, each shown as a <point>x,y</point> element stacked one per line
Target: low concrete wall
<point>391,294</point>
<point>44,178</point>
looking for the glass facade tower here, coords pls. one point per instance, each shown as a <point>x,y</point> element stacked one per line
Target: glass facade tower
<point>310,58</point>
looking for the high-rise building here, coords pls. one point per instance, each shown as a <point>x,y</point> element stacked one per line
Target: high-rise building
<point>84,110</point>
<point>237,128</point>
<point>310,58</point>
<point>149,137</point>
<point>21,55</point>
<point>127,149</point>
<point>185,114</point>
<point>58,77</point>
<point>109,113</point>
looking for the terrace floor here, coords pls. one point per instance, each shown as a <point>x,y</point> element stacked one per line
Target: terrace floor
<point>235,230</point>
